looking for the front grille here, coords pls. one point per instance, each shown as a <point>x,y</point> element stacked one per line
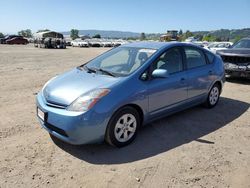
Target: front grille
<point>55,105</point>
<point>55,129</point>
<point>236,60</point>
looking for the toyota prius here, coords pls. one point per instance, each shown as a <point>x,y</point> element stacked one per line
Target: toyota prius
<point>110,97</point>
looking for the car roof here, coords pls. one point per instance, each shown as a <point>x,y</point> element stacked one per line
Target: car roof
<point>245,39</point>
<point>158,45</point>
<point>151,45</point>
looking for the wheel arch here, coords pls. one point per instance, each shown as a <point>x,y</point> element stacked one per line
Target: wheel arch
<point>136,107</point>
<point>220,83</point>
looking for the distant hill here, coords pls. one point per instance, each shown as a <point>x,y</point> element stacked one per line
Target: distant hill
<point>225,34</point>
<point>107,34</point>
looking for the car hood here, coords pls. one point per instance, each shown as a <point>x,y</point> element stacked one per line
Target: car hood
<point>66,88</point>
<point>241,52</point>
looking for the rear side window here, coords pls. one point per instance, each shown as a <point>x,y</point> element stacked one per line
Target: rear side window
<point>194,57</point>
<point>210,57</point>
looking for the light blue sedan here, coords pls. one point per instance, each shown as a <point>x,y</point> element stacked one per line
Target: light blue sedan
<point>110,97</point>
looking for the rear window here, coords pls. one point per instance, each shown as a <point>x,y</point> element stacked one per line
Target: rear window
<point>210,57</point>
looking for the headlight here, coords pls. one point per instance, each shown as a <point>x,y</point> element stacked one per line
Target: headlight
<point>230,66</point>
<point>248,66</point>
<point>87,100</point>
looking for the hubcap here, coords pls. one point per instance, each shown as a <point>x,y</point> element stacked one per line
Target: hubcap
<point>125,127</point>
<point>214,96</point>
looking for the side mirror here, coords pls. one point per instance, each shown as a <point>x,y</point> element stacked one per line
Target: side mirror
<point>144,76</point>
<point>160,73</point>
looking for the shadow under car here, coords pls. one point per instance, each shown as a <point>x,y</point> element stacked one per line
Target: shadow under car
<point>163,135</point>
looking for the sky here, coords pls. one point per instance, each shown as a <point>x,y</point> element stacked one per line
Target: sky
<point>149,16</point>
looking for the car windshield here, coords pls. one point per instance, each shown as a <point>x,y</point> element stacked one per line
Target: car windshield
<point>212,45</point>
<point>242,44</point>
<point>121,61</point>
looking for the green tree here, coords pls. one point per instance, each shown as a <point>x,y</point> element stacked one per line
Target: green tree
<point>42,30</point>
<point>74,33</point>
<point>25,33</point>
<point>1,35</point>
<point>198,37</point>
<point>189,34</point>
<point>180,32</point>
<point>186,35</point>
<point>97,36</point>
<point>143,36</point>
<point>209,38</point>
<point>237,38</point>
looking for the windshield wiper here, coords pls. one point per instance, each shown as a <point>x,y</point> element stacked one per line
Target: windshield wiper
<point>90,69</point>
<point>106,72</point>
<point>93,70</point>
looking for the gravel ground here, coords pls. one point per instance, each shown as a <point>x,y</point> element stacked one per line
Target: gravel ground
<point>194,148</point>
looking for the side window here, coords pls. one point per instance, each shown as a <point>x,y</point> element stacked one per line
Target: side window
<point>171,60</point>
<point>194,57</point>
<point>210,57</point>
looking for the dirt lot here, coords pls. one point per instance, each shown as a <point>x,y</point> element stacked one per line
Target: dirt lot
<point>194,148</point>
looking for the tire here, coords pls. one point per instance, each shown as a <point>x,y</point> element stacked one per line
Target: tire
<point>123,127</point>
<point>213,96</point>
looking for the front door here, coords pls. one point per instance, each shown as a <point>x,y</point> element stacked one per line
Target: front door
<point>163,92</point>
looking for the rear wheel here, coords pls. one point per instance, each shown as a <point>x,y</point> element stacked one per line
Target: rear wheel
<point>123,127</point>
<point>213,96</point>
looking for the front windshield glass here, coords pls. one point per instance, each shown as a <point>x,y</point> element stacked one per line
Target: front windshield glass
<point>242,44</point>
<point>121,61</point>
<point>212,45</point>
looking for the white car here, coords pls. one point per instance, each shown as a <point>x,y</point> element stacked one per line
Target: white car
<point>79,43</point>
<point>106,43</point>
<point>94,42</point>
<point>214,47</point>
<point>119,42</point>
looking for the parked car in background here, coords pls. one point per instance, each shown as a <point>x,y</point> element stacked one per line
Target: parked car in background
<point>198,43</point>
<point>8,37</point>
<point>119,42</point>
<point>1,40</point>
<point>79,43</point>
<point>49,39</point>
<point>113,95</point>
<point>17,40</point>
<point>219,46</point>
<point>94,42</point>
<point>68,42</point>
<point>237,59</point>
<point>106,43</point>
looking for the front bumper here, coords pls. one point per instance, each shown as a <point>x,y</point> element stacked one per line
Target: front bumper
<point>72,127</point>
<point>237,70</point>
<point>238,73</point>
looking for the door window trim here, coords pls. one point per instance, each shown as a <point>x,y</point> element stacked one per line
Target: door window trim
<point>150,69</point>
<point>199,50</point>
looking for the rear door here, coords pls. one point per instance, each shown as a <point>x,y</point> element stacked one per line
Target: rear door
<point>199,72</point>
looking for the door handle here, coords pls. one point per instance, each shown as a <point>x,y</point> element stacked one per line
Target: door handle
<point>210,72</point>
<point>182,80</point>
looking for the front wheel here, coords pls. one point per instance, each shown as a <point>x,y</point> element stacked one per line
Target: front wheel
<point>213,96</point>
<point>123,127</point>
